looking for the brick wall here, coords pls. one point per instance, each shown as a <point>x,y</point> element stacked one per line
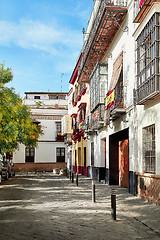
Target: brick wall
<point>149,187</point>
<point>39,167</point>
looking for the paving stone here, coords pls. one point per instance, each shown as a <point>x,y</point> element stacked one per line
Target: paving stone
<point>49,207</point>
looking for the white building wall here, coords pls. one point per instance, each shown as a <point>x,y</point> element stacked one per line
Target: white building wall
<point>45,152</point>
<point>149,115</point>
<point>123,41</point>
<point>19,154</point>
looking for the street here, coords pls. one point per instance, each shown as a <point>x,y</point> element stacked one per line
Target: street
<point>51,207</point>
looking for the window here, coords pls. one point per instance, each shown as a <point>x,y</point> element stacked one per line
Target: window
<point>60,154</point>
<point>149,149</point>
<point>148,58</point>
<point>58,129</point>
<point>36,97</point>
<point>92,153</point>
<point>98,83</point>
<point>55,96</point>
<point>29,154</point>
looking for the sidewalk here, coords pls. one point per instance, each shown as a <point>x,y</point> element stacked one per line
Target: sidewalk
<point>135,218</point>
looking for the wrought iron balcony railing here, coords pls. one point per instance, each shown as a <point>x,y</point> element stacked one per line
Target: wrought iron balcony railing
<point>117,108</point>
<point>97,118</point>
<point>148,90</point>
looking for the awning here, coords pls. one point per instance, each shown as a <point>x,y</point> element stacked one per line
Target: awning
<point>104,28</point>
<point>117,68</point>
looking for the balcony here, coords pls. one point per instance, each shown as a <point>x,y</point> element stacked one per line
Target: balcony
<point>148,59</point>
<point>75,134</point>
<point>83,91</point>
<point>98,85</point>
<point>109,16</point>
<point>59,138</point>
<point>67,139</point>
<point>97,118</point>
<point>116,107</point>
<point>148,91</point>
<point>141,8</point>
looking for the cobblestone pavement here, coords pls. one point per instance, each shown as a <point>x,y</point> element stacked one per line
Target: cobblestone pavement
<point>49,207</point>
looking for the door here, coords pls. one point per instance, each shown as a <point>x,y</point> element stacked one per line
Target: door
<point>60,154</point>
<point>29,154</point>
<point>124,163</point>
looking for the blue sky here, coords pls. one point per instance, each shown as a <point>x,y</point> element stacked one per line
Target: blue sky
<point>41,40</point>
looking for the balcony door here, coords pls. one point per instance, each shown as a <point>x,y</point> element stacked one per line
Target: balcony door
<point>29,154</point>
<point>60,154</point>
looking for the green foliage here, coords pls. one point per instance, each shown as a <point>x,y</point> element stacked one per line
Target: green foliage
<point>16,125</point>
<point>5,75</point>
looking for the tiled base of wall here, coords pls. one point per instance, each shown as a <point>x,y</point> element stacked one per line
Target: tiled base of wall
<point>38,167</point>
<point>149,187</point>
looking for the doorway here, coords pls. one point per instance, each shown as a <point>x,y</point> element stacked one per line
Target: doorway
<point>29,154</point>
<point>60,154</point>
<point>119,159</point>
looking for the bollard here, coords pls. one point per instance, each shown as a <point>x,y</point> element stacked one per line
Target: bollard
<point>66,173</point>
<point>76,179</point>
<point>93,192</point>
<point>113,204</point>
<point>72,177</point>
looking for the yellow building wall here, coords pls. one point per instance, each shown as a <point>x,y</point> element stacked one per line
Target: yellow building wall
<point>80,160</point>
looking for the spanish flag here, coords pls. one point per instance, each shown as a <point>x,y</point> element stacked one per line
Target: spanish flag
<point>140,3</point>
<point>109,99</point>
<point>72,131</point>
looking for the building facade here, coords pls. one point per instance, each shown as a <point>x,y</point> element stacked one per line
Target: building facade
<point>47,109</point>
<point>78,105</point>
<point>120,65</point>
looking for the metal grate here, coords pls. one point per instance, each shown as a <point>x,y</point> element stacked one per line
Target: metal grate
<point>148,57</point>
<point>149,149</point>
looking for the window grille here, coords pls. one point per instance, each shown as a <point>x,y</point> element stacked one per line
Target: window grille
<point>148,58</point>
<point>98,83</point>
<point>58,129</point>
<point>149,149</point>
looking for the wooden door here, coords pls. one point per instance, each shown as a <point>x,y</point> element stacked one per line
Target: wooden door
<point>124,163</point>
<point>60,154</point>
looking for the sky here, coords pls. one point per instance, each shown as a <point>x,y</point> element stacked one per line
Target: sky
<point>40,40</point>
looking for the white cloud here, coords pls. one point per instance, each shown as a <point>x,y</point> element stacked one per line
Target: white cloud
<point>31,34</point>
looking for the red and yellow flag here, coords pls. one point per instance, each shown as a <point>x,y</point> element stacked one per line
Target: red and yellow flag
<point>140,3</point>
<point>109,99</point>
<point>72,131</point>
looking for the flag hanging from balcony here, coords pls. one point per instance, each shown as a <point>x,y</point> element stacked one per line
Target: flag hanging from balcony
<point>109,99</point>
<point>72,131</point>
<point>140,3</point>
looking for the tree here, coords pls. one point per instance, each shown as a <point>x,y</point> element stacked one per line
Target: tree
<point>16,125</point>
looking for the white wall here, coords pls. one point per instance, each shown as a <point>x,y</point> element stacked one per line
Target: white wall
<point>149,115</point>
<point>45,152</point>
<point>19,154</point>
